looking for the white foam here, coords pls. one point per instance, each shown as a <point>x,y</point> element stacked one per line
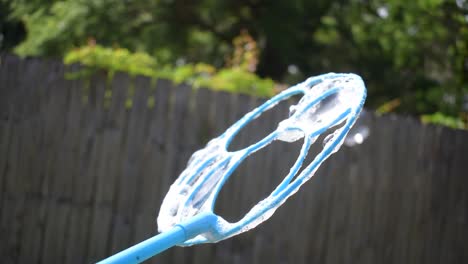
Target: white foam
<point>188,197</point>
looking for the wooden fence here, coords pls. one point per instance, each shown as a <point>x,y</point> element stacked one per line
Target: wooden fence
<point>84,166</point>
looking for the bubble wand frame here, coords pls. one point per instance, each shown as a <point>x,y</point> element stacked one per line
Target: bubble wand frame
<point>329,101</point>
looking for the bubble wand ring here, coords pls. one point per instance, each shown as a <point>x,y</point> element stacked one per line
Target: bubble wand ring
<point>329,101</point>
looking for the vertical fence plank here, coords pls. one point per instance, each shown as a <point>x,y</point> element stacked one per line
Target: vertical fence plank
<point>146,207</point>
<point>177,138</point>
<point>202,132</point>
<point>34,207</point>
<point>9,208</point>
<point>130,166</point>
<point>84,182</point>
<point>59,186</point>
<point>9,149</point>
<point>18,184</point>
<point>163,134</point>
<point>18,187</point>
<point>6,134</point>
<point>8,68</point>
<point>109,130</point>
<point>62,188</point>
<point>108,198</point>
<point>155,187</point>
<point>139,202</point>
<point>49,74</point>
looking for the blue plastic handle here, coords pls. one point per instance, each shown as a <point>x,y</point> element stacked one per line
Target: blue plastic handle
<point>199,224</point>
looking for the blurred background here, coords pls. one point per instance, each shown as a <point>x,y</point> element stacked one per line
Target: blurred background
<point>102,103</point>
<point>412,55</point>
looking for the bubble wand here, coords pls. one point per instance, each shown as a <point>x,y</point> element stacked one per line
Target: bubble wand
<point>330,101</point>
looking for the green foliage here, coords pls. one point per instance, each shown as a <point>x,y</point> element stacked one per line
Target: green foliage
<point>439,118</point>
<point>96,57</point>
<point>241,81</point>
<point>12,30</point>
<point>52,28</point>
<point>110,60</point>
<point>412,51</point>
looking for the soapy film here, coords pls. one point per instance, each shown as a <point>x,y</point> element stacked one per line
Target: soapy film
<point>329,102</point>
